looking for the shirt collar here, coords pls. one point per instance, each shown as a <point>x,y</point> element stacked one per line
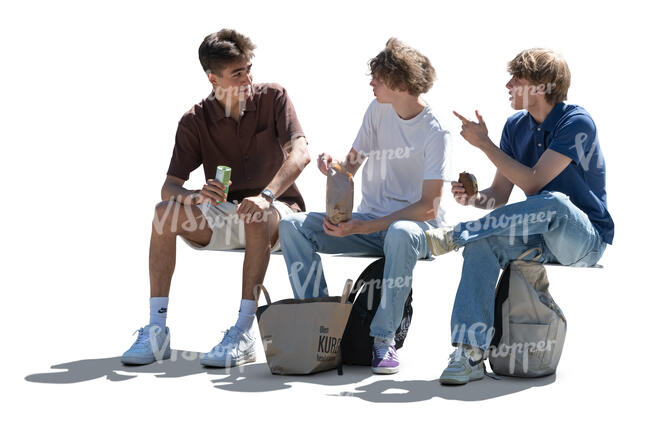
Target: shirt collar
<point>220,113</point>
<point>551,120</point>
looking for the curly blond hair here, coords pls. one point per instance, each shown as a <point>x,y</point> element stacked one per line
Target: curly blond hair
<point>401,67</point>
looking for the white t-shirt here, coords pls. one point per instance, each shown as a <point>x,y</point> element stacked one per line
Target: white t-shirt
<point>400,155</point>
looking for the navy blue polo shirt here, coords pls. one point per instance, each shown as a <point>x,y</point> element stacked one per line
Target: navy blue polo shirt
<point>569,130</point>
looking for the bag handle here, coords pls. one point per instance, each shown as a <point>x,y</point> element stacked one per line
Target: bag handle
<point>346,290</point>
<point>530,251</point>
<point>256,292</point>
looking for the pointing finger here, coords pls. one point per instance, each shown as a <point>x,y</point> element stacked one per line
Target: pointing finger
<point>461,117</point>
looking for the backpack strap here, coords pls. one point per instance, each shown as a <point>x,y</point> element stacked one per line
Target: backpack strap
<point>491,375</point>
<point>530,251</point>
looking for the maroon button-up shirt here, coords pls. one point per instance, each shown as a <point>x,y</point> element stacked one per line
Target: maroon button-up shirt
<point>252,146</point>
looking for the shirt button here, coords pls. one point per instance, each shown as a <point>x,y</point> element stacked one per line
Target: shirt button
<point>245,157</point>
<point>539,145</point>
<point>539,129</point>
<point>248,178</point>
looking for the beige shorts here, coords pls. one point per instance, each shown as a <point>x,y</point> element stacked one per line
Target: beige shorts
<point>227,229</point>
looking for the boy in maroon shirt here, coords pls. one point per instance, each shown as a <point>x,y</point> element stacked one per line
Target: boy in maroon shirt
<point>254,130</point>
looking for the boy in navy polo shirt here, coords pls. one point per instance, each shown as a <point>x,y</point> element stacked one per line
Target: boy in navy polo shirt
<point>551,151</point>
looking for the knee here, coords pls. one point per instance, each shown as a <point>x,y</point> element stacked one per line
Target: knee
<point>402,235</point>
<point>479,248</point>
<point>290,227</point>
<point>558,202</point>
<point>490,248</point>
<point>165,213</point>
<point>289,224</point>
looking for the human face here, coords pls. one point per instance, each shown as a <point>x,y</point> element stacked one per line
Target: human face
<point>235,79</point>
<point>383,93</point>
<point>523,94</point>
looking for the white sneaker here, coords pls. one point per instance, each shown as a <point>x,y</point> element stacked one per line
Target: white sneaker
<point>462,367</point>
<point>237,347</point>
<point>152,344</point>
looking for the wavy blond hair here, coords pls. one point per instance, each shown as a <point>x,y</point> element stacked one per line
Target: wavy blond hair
<point>401,67</point>
<point>545,67</point>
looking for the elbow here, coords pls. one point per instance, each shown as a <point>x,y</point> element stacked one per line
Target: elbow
<point>306,159</point>
<point>303,159</point>
<point>532,189</point>
<point>165,193</point>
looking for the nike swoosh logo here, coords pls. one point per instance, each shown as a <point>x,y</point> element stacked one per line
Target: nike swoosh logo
<point>473,363</point>
<point>162,310</point>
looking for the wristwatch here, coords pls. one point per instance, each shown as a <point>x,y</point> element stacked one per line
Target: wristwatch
<point>268,195</point>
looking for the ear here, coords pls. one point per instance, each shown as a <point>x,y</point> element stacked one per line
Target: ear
<point>213,78</point>
<point>541,89</point>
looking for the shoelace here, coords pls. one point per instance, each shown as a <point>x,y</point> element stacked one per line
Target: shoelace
<point>228,338</point>
<point>143,336</point>
<point>384,351</point>
<point>142,339</point>
<point>455,357</point>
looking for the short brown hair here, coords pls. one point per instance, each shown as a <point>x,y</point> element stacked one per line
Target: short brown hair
<point>543,67</point>
<point>401,67</point>
<point>222,48</point>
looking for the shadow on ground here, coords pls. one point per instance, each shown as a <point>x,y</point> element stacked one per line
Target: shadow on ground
<point>247,378</point>
<point>409,391</point>
<point>257,378</point>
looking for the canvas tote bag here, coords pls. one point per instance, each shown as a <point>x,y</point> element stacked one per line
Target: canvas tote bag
<point>303,336</point>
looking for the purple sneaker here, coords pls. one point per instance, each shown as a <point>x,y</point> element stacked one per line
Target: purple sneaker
<point>384,359</point>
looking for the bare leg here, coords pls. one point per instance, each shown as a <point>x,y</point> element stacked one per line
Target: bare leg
<point>260,236</point>
<point>172,219</point>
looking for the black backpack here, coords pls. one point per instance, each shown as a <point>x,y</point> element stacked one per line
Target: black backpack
<point>356,345</point>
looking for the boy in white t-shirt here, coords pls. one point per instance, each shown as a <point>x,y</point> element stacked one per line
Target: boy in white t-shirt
<point>406,149</point>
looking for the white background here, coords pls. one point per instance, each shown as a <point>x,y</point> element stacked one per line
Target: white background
<point>90,97</point>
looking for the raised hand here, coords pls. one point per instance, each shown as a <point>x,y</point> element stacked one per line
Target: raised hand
<point>476,133</point>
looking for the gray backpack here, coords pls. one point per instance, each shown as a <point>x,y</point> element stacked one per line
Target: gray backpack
<point>529,328</point>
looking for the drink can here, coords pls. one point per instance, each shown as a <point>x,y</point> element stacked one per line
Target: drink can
<point>223,176</point>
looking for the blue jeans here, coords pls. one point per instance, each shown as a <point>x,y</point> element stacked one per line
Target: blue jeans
<point>302,237</point>
<point>548,221</point>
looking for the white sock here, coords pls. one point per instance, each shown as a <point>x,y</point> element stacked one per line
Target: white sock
<point>474,353</point>
<point>246,317</point>
<point>385,341</point>
<point>158,310</point>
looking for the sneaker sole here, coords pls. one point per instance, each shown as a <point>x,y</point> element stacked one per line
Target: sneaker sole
<point>141,361</point>
<point>233,363</point>
<point>460,380</point>
<point>385,370</point>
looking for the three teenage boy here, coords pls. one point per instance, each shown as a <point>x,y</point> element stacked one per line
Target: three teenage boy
<point>551,152</point>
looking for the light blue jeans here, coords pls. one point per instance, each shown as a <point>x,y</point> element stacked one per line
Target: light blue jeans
<point>302,237</point>
<point>548,221</point>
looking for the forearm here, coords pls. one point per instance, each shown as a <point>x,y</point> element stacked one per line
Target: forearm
<point>295,163</point>
<point>518,174</point>
<point>352,162</point>
<point>176,192</point>
<point>419,211</point>
<point>489,199</point>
